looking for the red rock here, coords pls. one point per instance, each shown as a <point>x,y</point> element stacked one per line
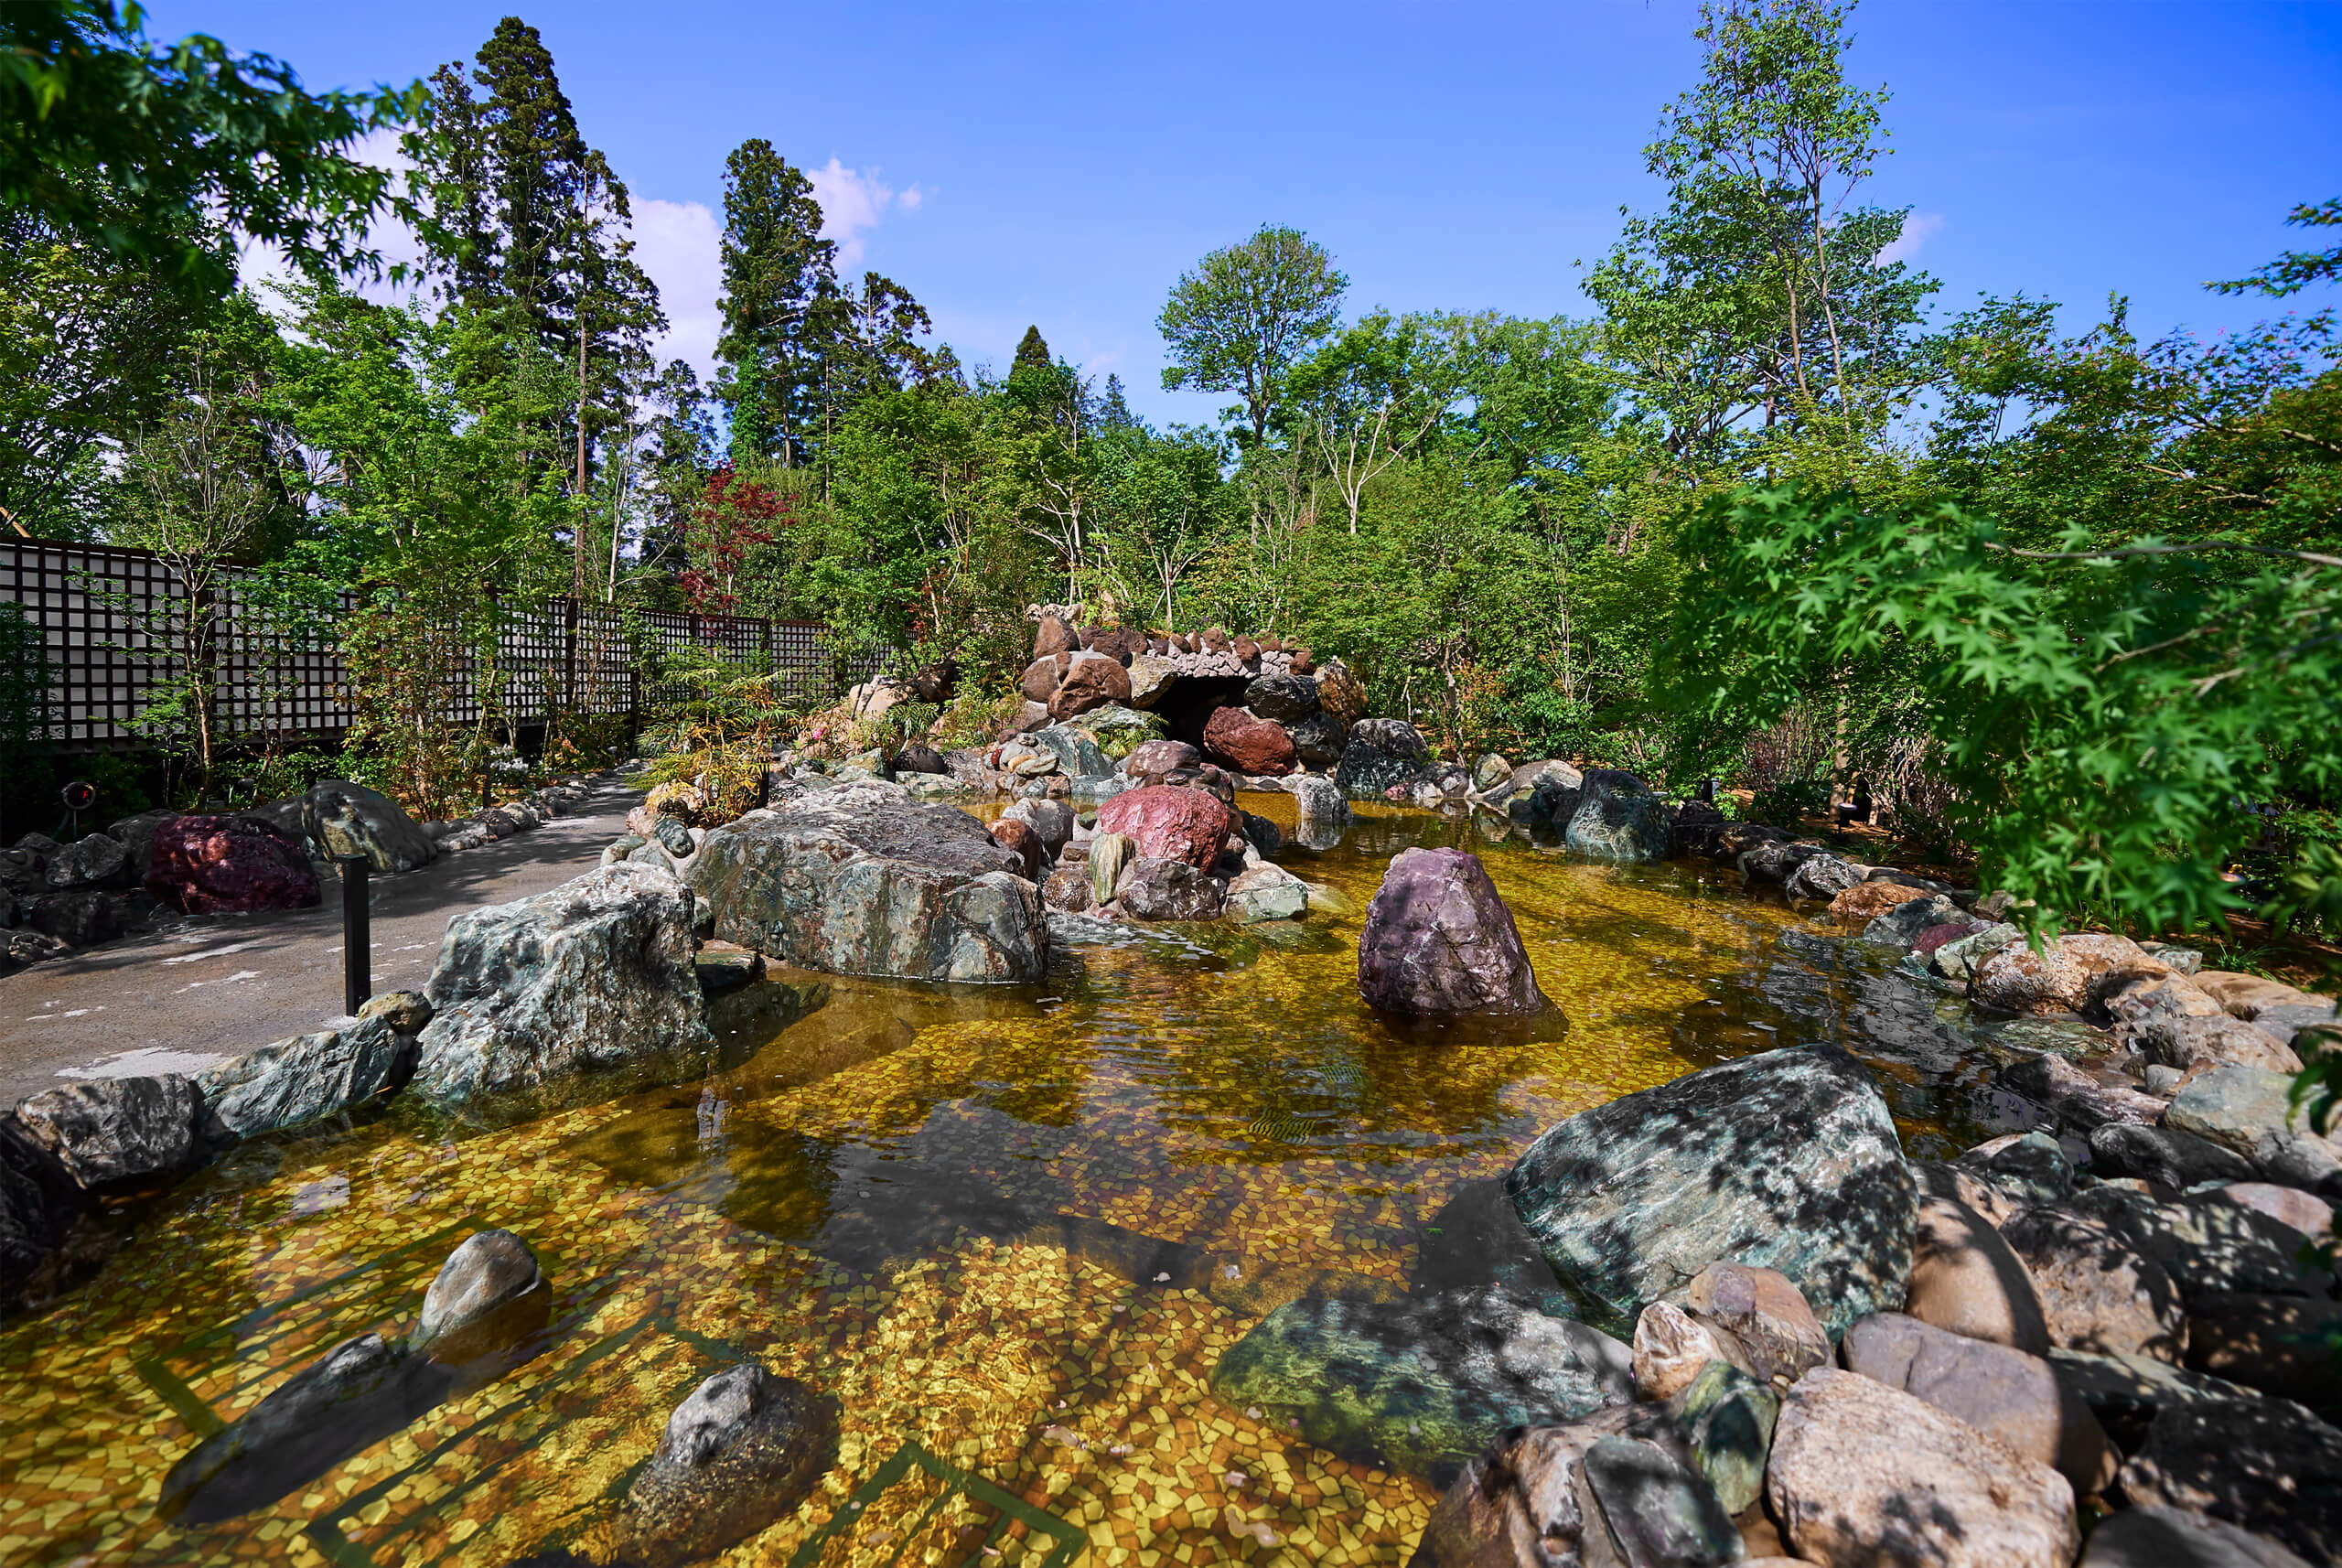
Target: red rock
<point>1248,744</point>
<point>1215,639</point>
<point>1245,650</point>
<point>1054,637</point>
<point>1020,838</point>
<point>1091,680</point>
<point>1165,822</point>
<point>209,865</point>
<point>1302,664</point>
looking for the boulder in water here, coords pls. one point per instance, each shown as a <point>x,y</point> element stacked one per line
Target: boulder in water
<point>306,1076</point>
<point>863,880</point>
<point>1438,940</point>
<point>1154,890</point>
<point>1787,1160</point>
<point>1618,818</point>
<point>742,1450</point>
<point>593,977</point>
<point>1380,754</point>
<point>487,1301</point>
<point>354,1395</point>
<point>1420,1384</point>
<point>1169,822</point>
<point>117,1134</point>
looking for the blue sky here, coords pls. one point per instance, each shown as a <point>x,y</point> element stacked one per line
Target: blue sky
<point>1061,165</point>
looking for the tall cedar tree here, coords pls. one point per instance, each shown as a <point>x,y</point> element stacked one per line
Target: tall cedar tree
<point>776,267</point>
<point>527,224</point>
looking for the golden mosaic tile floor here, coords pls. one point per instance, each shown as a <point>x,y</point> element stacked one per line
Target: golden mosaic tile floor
<point>926,1205</point>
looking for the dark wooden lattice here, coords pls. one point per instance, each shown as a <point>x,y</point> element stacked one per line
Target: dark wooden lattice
<point>113,621</point>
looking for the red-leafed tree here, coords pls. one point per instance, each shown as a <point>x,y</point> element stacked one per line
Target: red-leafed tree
<point>733,515</point>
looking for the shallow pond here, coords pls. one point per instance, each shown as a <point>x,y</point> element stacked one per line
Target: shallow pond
<point>1009,1230</point>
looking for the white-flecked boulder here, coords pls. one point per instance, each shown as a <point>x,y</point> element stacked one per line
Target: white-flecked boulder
<point>595,976</point>
<point>863,880</point>
<point>1787,1160</point>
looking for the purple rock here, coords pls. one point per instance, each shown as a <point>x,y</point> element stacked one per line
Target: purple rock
<point>1438,940</point>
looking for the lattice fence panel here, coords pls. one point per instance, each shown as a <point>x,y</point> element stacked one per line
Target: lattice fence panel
<point>113,623</point>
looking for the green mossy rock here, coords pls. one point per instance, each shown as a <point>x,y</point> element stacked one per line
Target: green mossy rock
<point>1424,1384</point>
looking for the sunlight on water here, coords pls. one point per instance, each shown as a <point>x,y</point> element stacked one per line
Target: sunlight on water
<point>1014,1226</point>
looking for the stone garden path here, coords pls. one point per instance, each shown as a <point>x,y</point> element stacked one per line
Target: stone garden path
<point>181,998</point>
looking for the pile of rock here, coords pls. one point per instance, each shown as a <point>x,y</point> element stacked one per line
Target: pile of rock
<point>56,898</point>
<point>531,808</point>
<point>1727,1320</point>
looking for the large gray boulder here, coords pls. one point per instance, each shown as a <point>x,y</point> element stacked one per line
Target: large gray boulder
<point>1424,1383</point>
<point>1439,941</point>
<point>863,880</point>
<point>306,1076</point>
<point>1618,817</point>
<point>345,818</point>
<point>1787,1160</point>
<point>117,1134</point>
<point>593,977</point>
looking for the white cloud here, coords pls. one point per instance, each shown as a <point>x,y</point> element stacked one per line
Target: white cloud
<point>1918,227</point>
<point>853,201</point>
<point>679,243</point>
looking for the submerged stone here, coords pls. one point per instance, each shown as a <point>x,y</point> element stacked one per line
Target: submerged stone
<point>353,1396</point>
<point>1421,1384</point>
<point>742,1450</point>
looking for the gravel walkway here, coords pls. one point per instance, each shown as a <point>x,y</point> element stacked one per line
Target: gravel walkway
<point>181,999</point>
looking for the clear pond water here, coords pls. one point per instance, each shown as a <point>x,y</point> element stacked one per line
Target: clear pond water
<point>1009,1230</point>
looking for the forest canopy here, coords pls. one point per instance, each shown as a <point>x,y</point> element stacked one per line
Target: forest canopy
<point>1765,508</point>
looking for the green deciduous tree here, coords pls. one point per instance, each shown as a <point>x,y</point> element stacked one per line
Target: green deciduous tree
<point>111,141</point>
<point>1240,318</point>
